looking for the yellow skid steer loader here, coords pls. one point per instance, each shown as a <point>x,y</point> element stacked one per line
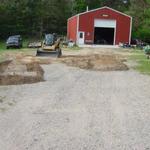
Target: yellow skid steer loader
<point>50,46</point>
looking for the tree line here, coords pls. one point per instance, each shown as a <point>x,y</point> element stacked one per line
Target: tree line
<point>33,18</point>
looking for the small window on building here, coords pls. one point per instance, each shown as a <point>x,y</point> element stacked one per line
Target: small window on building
<point>81,35</point>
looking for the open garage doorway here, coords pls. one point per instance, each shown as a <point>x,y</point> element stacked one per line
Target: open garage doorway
<point>104,36</point>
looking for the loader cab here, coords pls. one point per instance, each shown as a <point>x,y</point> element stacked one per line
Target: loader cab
<point>50,39</point>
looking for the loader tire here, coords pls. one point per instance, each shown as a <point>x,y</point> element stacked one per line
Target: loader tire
<point>59,52</point>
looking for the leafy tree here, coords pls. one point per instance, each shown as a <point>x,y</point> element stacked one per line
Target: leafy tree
<point>36,17</point>
<point>94,3</point>
<point>140,11</point>
<point>33,17</point>
<point>79,6</point>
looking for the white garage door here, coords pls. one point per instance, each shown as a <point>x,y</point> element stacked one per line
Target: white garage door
<point>103,23</point>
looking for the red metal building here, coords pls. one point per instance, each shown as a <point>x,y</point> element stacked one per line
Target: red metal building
<point>104,26</point>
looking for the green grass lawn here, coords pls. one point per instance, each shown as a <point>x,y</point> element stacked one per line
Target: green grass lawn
<point>143,63</point>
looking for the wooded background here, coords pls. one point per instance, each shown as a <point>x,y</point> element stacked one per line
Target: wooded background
<point>33,18</point>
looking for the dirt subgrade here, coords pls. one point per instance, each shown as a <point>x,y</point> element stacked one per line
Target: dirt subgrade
<point>97,62</point>
<point>20,68</point>
<point>14,73</point>
<point>26,69</point>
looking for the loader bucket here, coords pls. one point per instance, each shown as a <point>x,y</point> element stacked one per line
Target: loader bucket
<point>53,53</point>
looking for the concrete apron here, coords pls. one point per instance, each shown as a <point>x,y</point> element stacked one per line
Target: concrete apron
<point>99,46</point>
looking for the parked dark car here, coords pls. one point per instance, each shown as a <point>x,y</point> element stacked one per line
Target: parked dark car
<point>14,41</point>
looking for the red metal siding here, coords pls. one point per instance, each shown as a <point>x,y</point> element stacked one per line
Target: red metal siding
<point>72,28</point>
<point>86,24</point>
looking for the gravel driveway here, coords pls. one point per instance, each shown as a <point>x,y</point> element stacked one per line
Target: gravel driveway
<point>77,109</point>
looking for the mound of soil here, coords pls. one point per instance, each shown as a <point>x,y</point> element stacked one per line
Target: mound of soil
<point>96,62</point>
<point>14,73</point>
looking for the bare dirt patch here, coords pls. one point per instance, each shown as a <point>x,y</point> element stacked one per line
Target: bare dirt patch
<point>33,59</point>
<point>20,68</point>
<point>26,69</point>
<point>4,65</point>
<point>96,62</point>
<point>15,72</point>
<point>25,58</point>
